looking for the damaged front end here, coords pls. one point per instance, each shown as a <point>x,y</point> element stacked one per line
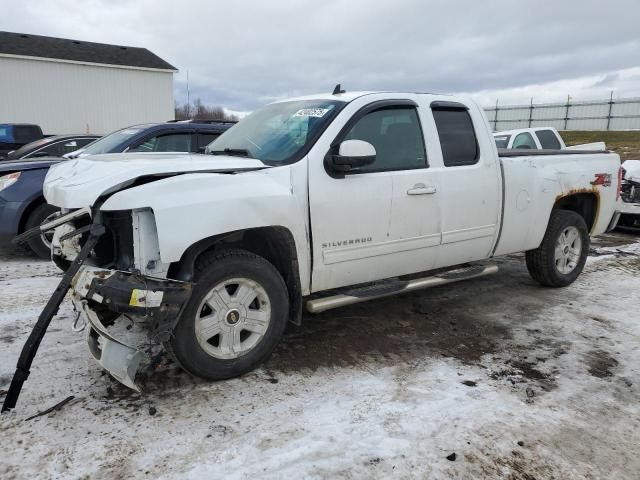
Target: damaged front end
<point>127,317</point>
<point>121,292</point>
<point>630,191</point>
<point>628,209</point>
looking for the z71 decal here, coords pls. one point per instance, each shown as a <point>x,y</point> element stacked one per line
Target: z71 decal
<point>603,179</point>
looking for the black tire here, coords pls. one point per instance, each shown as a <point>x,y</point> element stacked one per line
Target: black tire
<point>37,244</point>
<point>541,262</point>
<point>210,271</point>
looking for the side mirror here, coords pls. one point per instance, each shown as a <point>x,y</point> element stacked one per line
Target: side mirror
<point>352,154</point>
<point>41,154</point>
<point>202,149</point>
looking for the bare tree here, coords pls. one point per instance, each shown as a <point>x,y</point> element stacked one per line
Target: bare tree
<point>199,111</point>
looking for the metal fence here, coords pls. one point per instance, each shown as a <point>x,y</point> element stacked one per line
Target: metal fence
<point>611,114</point>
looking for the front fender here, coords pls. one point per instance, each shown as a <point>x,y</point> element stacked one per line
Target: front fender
<point>191,207</point>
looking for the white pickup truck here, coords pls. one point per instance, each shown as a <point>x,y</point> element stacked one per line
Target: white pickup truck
<point>539,138</point>
<point>319,201</point>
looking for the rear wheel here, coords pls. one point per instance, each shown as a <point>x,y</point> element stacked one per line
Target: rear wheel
<point>561,256</point>
<point>41,245</point>
<point>235,317</point>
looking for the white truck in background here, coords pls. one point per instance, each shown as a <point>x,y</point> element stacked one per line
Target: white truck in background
<point>539,138</point>
<point>629,202</point>
<point>318,201</point>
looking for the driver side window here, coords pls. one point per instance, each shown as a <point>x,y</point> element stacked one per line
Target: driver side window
<point>396,135</point>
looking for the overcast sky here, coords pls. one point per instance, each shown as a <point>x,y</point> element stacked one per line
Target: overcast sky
<point>241,54</point>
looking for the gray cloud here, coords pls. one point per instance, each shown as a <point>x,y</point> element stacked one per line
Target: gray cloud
<point>244,53</point>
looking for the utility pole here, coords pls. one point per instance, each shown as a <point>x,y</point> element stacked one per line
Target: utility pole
<point>530,112</point>
<point>610,110</point>
<point>566,113</point>
<point>188,98</point>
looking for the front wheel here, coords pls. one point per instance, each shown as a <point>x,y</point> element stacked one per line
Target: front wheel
<point>235,317</point>
<point>561,256</point>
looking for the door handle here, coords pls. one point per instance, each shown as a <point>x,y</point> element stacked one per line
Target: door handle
<point>421,189</point>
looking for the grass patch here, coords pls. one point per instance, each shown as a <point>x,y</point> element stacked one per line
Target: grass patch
<point>624,143</point>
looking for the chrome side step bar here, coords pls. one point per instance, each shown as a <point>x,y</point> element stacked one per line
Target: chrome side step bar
<point>394,287</point>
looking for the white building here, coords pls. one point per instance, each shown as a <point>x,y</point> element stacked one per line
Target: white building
<point>71,86</point>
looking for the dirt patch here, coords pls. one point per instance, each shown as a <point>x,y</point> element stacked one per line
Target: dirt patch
<point>528,370</point>
<point>389,330</point>
<point>600,363</point>
<point>523,371</point>
<point>513,466</point>
<point>626,263</point>
<point>612,240</point>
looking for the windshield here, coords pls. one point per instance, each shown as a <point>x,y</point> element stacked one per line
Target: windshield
<point>502,140</point>
<point>108,143</point>
<point>279,132</point>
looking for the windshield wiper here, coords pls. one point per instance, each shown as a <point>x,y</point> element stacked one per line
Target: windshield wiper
<point>239,152</point>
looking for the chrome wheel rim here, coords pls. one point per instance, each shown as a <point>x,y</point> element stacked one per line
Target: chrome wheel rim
<point>232,318</point>
<point>47,238</point>
<point>568,250</point>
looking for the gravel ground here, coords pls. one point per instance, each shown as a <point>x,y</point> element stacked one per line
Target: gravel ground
<point>490,378</point>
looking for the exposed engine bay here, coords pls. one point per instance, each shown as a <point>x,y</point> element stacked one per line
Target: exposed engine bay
<point>630,192</point>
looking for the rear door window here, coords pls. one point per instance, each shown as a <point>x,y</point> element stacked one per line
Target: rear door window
<point>54,150</point>
<point>548,140</point>
<point>524,140</point>
<point>169,142</point>
<point>69,146</point>
<point>205,138</point>
<point>457,136</point>
<point>62,147</point>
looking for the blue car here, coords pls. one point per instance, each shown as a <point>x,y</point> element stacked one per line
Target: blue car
<point>22,205</point>
<point>186,136</point>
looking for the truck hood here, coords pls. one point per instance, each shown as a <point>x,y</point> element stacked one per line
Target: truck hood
<point>632,170</point>
<point>28,164</point>
<point>80,182</point>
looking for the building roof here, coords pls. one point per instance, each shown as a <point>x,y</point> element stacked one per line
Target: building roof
<point>79,51</point>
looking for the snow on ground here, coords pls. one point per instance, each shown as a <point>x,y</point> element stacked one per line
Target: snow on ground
<point>517,380</point>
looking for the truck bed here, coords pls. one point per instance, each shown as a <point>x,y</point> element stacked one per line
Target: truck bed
<point>526,152</point>
<point>535,180</point>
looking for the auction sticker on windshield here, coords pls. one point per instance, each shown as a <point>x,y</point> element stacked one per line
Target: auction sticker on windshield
<point>311,112</point>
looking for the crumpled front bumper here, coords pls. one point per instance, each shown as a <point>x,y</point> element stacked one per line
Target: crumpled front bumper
<point>108,298</point>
